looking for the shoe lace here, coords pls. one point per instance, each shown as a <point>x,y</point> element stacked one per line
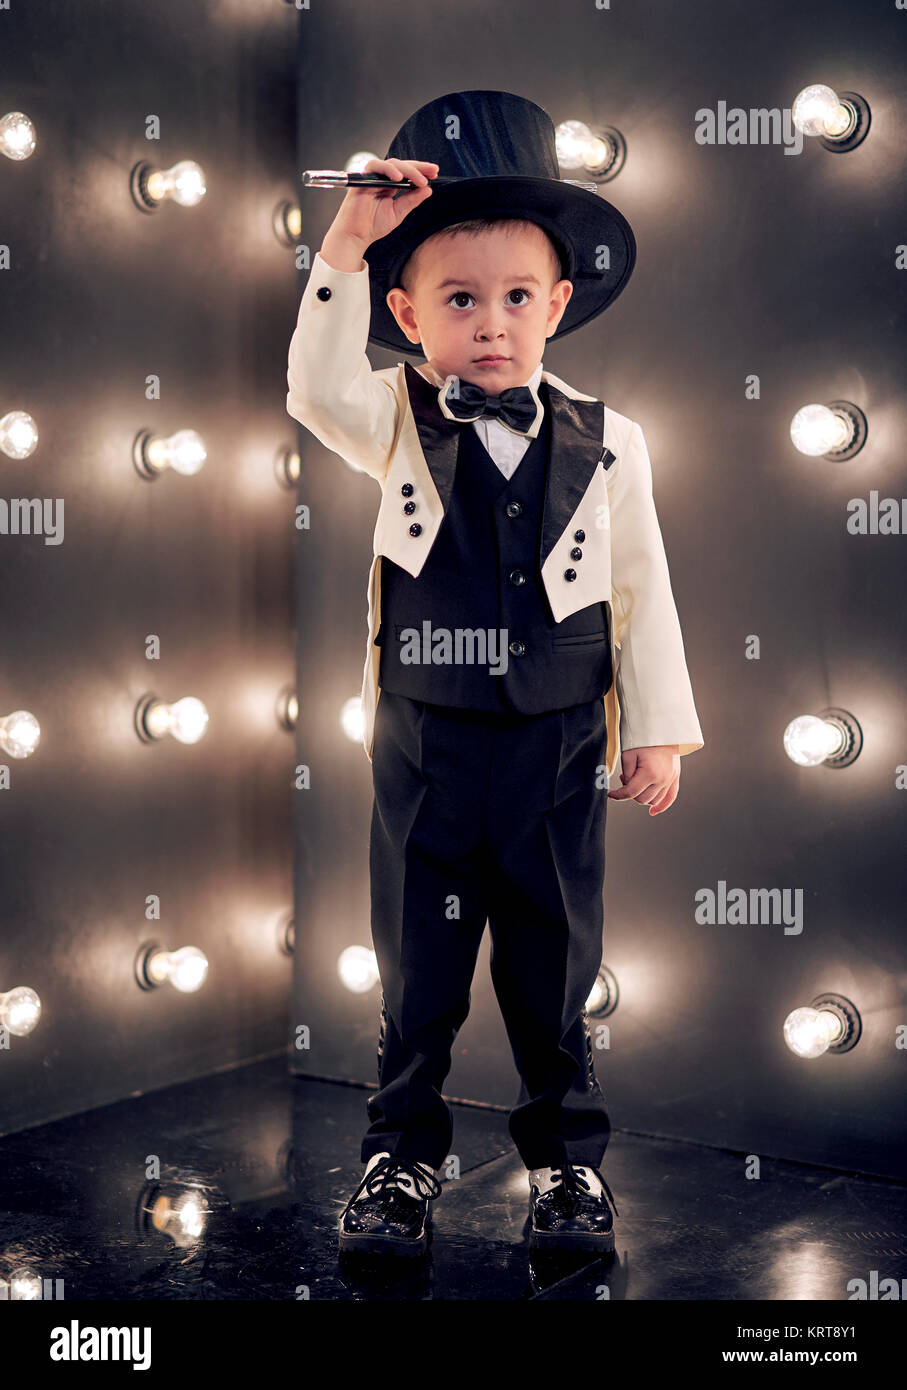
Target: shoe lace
<point>384,1175</point>
<point>575,1184</point>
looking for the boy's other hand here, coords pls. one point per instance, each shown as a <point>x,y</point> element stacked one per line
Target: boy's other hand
<point>366,214</point>
<point>650,776</point>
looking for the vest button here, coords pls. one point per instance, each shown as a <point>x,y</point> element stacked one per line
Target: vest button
<point>569,574</point>
<point>514,509</point>
<point>517,577</point>
<point>579,535</point>
<point>415,529</point>
<point>323,292</point>
<point>409,508</point>
<point>576,553</point>
<point>407,489</point>
<point>517,648</point>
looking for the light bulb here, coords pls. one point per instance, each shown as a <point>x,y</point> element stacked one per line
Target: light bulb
<point>578,148</point>
<point>357,967</point>
<point>352,720</point>
<point>20,1010</point>
<point>818,110</point>
<point>18,434</point>
<point>20,734</point>
<point>184,183</point>
<point>17,135</point>
<point>185,969</point>
<point>294,220</point>
<point>816,430</point>
<point>184,452</point>
<point>810,1032</point>
<point>357,162</point>
<point>186,720</point>
<point>809,740</point>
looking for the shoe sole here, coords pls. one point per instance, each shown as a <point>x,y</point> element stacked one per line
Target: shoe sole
<point>572,1240</point>
<point>367,1243</point>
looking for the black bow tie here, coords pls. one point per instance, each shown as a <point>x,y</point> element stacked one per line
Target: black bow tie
<point>515,407</point>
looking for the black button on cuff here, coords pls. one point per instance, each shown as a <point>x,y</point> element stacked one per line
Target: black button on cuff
<point>569,574</point>
<point>415,529</point>
<point>323,292</point>
<point>579,535</point>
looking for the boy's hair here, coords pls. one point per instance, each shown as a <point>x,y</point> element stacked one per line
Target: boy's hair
<point>473,227</point>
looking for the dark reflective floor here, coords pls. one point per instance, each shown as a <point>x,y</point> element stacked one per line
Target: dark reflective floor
<point>230,1188</point>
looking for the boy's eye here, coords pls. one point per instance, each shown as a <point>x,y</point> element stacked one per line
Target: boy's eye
<point>459,295</point>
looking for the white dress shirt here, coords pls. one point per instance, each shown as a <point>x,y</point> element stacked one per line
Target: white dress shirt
<point>505,446</point>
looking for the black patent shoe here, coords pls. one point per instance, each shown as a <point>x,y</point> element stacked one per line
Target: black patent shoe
<point>570,1216</point>
<point>382,1217</point>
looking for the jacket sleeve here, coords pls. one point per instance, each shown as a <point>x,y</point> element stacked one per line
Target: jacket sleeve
<point>332,388</point>
<point>653,686</point>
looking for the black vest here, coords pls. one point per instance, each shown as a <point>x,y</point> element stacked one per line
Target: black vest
<point>482,579</point>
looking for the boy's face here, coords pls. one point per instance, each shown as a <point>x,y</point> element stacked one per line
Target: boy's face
<point>484,295</point>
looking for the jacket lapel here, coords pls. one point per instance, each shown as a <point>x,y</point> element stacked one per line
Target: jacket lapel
<point>438,436</point>
<point>576,450</point>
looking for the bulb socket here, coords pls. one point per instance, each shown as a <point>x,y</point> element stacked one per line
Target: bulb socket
<point>859,126</point>
<point>859,427</point>
<point>853,737</point>
<point>846,1012</point>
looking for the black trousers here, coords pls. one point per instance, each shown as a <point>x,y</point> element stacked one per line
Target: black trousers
<point>499,818</point>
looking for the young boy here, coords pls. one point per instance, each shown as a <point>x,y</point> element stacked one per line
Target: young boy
<point>517,548</point>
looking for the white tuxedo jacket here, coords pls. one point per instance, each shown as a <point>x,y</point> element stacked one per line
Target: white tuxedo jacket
<point>366,417</point>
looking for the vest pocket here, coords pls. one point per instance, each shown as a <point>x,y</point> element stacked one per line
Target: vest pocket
<point>581,642</point>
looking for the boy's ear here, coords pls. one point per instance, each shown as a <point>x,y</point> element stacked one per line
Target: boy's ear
<point>401,306</point>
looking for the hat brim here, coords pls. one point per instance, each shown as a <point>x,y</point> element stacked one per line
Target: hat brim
<point>580,222</point>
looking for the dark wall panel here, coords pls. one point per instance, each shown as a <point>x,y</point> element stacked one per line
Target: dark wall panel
<point>99,296</point>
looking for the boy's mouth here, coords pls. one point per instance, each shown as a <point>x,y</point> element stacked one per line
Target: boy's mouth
<point>490,360</point>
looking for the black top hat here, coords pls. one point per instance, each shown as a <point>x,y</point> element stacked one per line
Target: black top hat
<point>501,153</point>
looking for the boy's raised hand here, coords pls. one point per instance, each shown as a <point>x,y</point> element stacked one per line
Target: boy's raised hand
<point>366,214</point>
<point>651,776</point>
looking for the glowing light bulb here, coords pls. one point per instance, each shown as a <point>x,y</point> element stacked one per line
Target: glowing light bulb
<point>352,720</point>
<point>186,969</point>
<point>17,135</point>
<point>816,430</point>
<point>809,740</point>
<point>20,1009</point>
<point>578,148</point>
<point>818,110</point>
<point>18,434</point>
<point>810,1032</point>
<point>186,720</point>
<point>184,452</point>
<point>183,1219</point>
<point>20,734</point>
<point>294,220</point>
<point>357,162</point>
<point>357,967</point>
<point>183,183</point>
